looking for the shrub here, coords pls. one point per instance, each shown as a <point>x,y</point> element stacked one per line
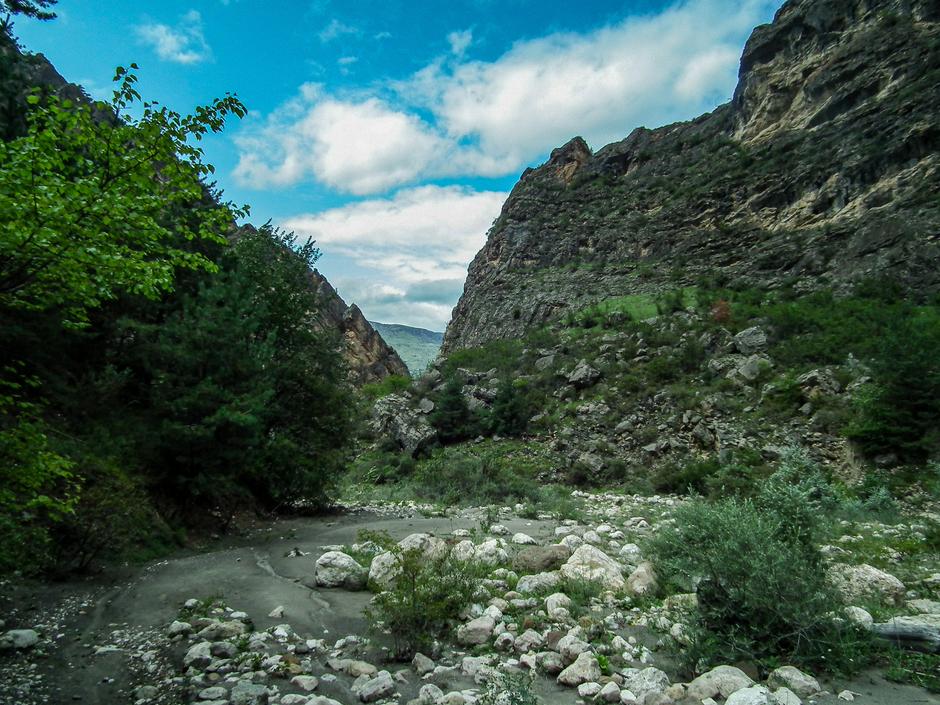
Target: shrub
<point>390,385</point>
<point>514,405</point>
<point>424,599</point>
<point>510,688</point>
<point>452,418</point>
<point>762,591</point>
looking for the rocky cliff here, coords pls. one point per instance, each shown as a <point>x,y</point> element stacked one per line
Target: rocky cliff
<point>822,171</point>
<point>368,356</point>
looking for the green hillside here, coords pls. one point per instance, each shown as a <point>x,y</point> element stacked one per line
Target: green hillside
<point>416,346</point>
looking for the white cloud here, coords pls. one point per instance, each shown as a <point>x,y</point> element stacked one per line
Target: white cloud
<point>419,242</point>
<point>336,29</point>
<point>460,42</point>
<point>473,118</point>
<point>181,44</point>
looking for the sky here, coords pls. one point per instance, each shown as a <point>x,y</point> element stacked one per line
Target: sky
<point>391,131</point>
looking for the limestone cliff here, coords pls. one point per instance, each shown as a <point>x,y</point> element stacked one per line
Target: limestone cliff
<point>822,171</point>
<point>368,356</point>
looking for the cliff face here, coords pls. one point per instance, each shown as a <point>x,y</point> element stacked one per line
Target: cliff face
<point>822,171</point>
<point>368,356</point>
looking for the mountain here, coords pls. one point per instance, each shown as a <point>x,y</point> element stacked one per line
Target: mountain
<point>369,357</point>
<point>417,346</point>
<point>821,172</point>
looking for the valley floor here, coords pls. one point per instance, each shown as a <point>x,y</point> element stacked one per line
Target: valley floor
<point>104,638</point>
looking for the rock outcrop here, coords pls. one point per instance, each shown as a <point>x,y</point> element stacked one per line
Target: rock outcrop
<point>822,171</point>
<point>367,355</point>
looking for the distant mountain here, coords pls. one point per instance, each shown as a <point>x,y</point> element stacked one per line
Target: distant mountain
<point>416,346</point>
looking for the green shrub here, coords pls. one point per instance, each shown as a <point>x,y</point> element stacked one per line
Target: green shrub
<point>390,385</point>
<point>452,417</point>
<point>762,591</point>
<point>424,599</point>
<point>510,688</point>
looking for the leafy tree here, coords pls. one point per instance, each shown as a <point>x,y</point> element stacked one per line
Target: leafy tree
<point>452,416</point>
<point>248,396</point>
<point>91,201</point>
<point>38,9</point>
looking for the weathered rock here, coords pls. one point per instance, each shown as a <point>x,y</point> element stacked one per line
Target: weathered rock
<point>335,569</point>
<point>643,682</point>
<point>539,582</point>
<point>750,340</point>
<point>642,581</point>
<point>393,417</point>
<point>755,695</point>
<point>591,564</point>
<point>571,647</point>
<point>721,680</point>
<point>610,693</point>
<point>521,539</point>
<point>583,670</point>
<point>476,631</point>
<point>856,582</point>
<point>422,664</point>
<point>19,639</point>
<point>583,375</point>
<point>377,688</point>
<point>245,693</point>
<point>306,683</point>
<point>539,559</point>
<point>430,694</point>
<point>199,655</point>
<point>793,678</point>
<point>384,567</point>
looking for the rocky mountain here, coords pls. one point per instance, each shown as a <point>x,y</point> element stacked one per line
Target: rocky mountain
<point>822,171</point>
<point>416,346</point>
<point>367,354</point>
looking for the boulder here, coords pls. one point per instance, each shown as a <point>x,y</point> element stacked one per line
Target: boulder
<point>306,683</point>
<point>585,669</point>
<point>857,582</point>
<point>750,340</point>
<point>476,631</point>
<point>643,682</point>
<point>571,647</point>
<point>335,569</point>
<point>793,678</point>
<point>539,582</point>
<point>422,664</point>
<point>755,695</point>
<point>539,559</point>
<point>590,564</point>
<point>642,581</point>
<point>384,567</point>
<point>393,417</point>
<point>377,688</point>
<point>245,693</point>
<point>521,539</point>
<point>19,639</point>
<point>199,655</point>
<point>583,375</point>
<point>720,681</point>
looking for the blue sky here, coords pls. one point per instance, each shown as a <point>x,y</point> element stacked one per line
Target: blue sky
<point>391,131</point>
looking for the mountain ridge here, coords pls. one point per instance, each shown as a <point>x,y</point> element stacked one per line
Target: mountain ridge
<point>817,173</point>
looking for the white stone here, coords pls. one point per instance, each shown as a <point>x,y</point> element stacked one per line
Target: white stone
<point>802,684</point>
<point>377,688</point>
<point>856,582</point>
<point>755,695</point>
<point>591,564</point>
<point>583,670</point>
<point>523,540</point>
<point>336,569</point>
<point>476,631</point>
<point>643,682</point>
<point>721,680</point>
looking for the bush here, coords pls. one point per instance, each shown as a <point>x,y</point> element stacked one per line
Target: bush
<point>511,688</point>
<point>762,591</point>
<point>452,418</point>
<point>390,385</point>
<point>424,599</point>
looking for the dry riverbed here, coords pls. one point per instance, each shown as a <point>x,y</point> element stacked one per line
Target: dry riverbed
<point>109,640</point>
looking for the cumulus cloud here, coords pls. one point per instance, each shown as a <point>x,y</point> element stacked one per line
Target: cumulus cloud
<point>336,29</point>
<point>473,118</point>
<point>418,242</point>
<point>183,43</point>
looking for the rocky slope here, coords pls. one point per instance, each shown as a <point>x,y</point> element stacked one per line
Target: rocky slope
<point>366,353</point>
<point>822,171</point>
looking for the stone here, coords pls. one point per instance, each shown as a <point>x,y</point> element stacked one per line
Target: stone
<point>750,341</point>
<point>590,564</point>
<point>555,601</point>
<point>571,647</point>
<point>550,662</point>
<point>19,639</point>
<point>755,695</point>
<point>721,680</point>
<point>476,631</point>
<point>630,553</point>
<point>642,581</point>
<point>529,640</point>
<point>245,693</point>
<point>377,688</point>
<point>394,418</point>
<point>146,692</point>
<point>627,698</point>
<point>422,664</point>
<point>523,540</point>
<point>216,692</point>
<point>785,696</point>
<point>539,582</point>
<point>583,375</point>
<point>430,694</point>
<point>505,641</point>
<point>610,693</point>
<point>306,683</point>
<point>335,569</point>
<point>857,582</point>
<point>859,616</point>
<point>277,612</point>
<point>178,628</point>
<point>491,553</point>
<point>384,567</point>
<point>589,690</point>
<point>199,655</point>
<point>643,682</point>
<point>217,630</point>
<point>541,559</point>
<point>584,669</point>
